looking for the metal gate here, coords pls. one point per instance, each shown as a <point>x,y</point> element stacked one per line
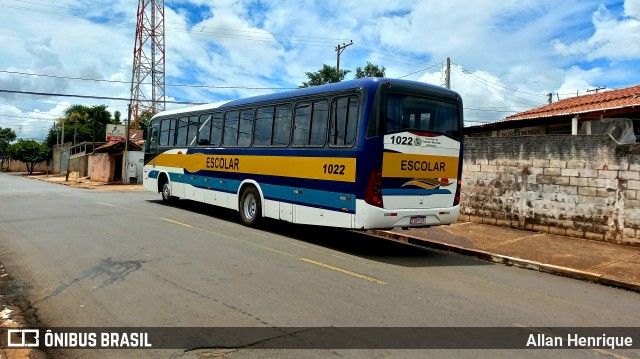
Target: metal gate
<point>64,161</point>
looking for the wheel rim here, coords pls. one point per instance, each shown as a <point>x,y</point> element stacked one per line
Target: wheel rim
<point>166,191</point>
<point>249,206</point>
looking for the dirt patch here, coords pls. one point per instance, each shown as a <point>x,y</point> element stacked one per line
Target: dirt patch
<point>16,312</point>
<point>85,182</point>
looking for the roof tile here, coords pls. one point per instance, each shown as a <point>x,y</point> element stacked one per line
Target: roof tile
<point>606,100</point>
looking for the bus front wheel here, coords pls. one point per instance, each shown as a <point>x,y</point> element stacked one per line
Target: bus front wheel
<point>166,193</point>
<point>250,207</point>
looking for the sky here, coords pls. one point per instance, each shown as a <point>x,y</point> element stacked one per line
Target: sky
<point>506,56</point>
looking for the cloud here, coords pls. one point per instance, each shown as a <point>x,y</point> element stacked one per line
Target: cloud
<point>614,38</point>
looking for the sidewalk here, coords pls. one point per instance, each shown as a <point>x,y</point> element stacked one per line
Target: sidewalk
<point>617,265</point>
<point>84,182</point>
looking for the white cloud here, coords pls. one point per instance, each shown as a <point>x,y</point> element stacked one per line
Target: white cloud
<point>615,39</point>
<point>632,9</point>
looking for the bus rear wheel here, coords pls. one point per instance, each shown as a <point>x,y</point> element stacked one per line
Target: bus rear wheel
<point>250,207</point>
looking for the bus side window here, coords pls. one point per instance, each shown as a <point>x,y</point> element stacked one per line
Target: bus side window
<point>319,122</point>
<point>216,129</point>
<point>344,121</point>
<point>164,132</point>
<point>311,123</point>
<point>245,128</point>
<point>193,131</point>
<point>172,132</point>
<point>264,126</point>
<point>231,122</point>
<point>153,139</point>
<point>302,122</point>
<point>281,126</point>
<point>183,128</point>
<point>204,129</point>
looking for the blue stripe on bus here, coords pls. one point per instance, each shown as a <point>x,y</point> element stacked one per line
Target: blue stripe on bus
<point>333,201</point>
<point>333,186</point>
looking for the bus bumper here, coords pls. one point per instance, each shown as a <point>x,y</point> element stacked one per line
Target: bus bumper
<point>371,217</point>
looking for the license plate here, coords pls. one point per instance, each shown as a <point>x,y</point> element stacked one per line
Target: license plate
<point>418,220</point>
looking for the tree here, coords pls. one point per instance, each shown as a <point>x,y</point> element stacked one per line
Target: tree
<point>116,117</point>
<point>370,70</point>
<point>30,152</point>
<point>6,137</point>
<point>84,122</point>
<point>143,120</point>
<point>327,74</point>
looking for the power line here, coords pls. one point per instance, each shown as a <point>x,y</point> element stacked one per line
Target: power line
<point>92,97</point>
<point>428,68</point>
<point>129,82</point>
<point>485,85</point>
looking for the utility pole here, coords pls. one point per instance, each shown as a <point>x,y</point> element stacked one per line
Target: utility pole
<point>447,81</point>
<point>125,164</point>
<point>94,134</point>
<point>339,50</point>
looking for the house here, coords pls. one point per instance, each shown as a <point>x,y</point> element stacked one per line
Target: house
<point>615,112</point>
<point>107,161</point>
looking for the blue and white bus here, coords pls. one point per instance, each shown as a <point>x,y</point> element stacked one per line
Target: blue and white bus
<point>362,154</point>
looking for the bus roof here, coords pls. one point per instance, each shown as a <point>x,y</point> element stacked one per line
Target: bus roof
<point>370,83</point>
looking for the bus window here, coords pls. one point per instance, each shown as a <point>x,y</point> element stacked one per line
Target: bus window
<point>406,112</point>
<point>310,123</point>
<point>264,126</point>
<point>302,122</point>
<point>181,134</point>
<point>344,121</point>
<point>205,129</point>
<point>153,140</point>
<point>281,126</point>
<point>319,119</point>
<point>172,132</point>
<point>245,128</point>
<point>193,131</point>
<point>216,129</point>
<point>231,120</point>
<point>164,132</point>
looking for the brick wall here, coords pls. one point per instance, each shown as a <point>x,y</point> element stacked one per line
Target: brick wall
<point>581,186</point>
<point>19,166</point>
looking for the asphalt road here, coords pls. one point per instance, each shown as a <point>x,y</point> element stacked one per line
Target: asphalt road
<point>91,258</point>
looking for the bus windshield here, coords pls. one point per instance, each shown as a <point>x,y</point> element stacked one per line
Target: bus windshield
<point>406,112</point>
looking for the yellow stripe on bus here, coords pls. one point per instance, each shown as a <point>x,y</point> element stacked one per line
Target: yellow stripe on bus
<point>403,165</point>
<point>321,168</point>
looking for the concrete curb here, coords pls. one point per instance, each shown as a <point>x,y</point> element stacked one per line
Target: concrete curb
<point>502,259</point>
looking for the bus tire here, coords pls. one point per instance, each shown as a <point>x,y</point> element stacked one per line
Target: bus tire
<point>250,207</point>
<point>166,193</point>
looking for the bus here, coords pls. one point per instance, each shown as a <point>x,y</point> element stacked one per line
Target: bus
<point>369,153</point>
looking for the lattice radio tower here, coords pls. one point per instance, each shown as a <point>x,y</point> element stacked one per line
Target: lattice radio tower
<point>148,77</point>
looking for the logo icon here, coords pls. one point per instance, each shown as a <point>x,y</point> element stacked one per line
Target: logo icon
<point>418,141</point>
<point>23,338</point>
